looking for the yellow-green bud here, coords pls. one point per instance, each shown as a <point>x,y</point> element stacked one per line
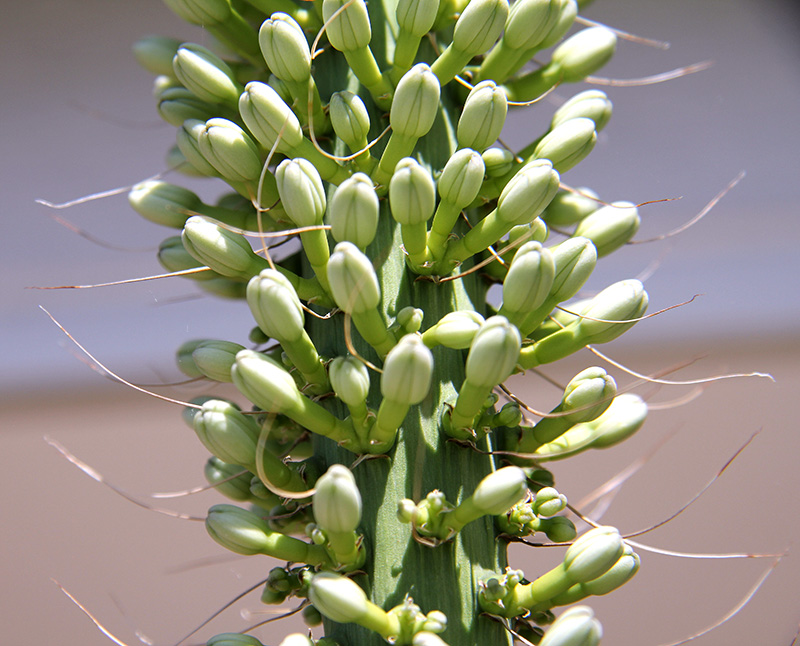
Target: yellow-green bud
<point>500,491</point>
<point>166,204</point>
<point>483,117</point>
<point>575,259</point>
<point>416,16</point>
<point>264,382</point>
<point>228,479</point>
<point>233,639</point>
<point>301,190</point>
<point>187,141</point>
<point>610,227</point>
<point>461,177</point>
<point>570,207</point>
<point>593,554</point>
<point>415,103</point>
<point>155,54</point>
<point>349,119</point>
<point>298,639</point>
<point>589,394</point>
<point>568,143</point>
<point>337,597</point>
<point>529,279</point>
<point>349,379</point>
<point>275,306</point>
<point>548,502</point>
<point>215,359</point>
<point>201,12</point>
<point>619,302</point>
<point>592,104</point>
<point>569,11</point>
<point>530,22</point>
<point>574,627</point>
<point>454,330</point>
<point>493,353</point>
<point>353,211</point>
<point>622,572</point>
<point>426,638</point>
<point>185,360</point>
<point>230,150</point>
<point>350,29</point>
<point>528,192</point>
<point>407,371</point>
<point>266,115</point>
<point>584,53</point>
<point>412,194</point>
<point>622,419</point>
<point>205,74</point>
<point>226,432</point>
<point>177,104</point>
<point>353,281</point>
<point>498,161</point>
<point>285,48</point>
<point>224,251</point>
<point>237,530</point>
<point>479,26</point>
<point>337,501</point>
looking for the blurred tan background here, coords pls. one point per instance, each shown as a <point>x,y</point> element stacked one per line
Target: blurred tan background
<point>78,118</point>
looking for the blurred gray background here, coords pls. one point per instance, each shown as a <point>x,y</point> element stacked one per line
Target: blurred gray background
<point>78,118</point>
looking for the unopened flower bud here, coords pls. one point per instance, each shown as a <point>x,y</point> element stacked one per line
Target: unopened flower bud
<point>407,371</point>
<point>500,491</point>
<point>575,260</point>
<point>622,419</point>
<point>337,501</point>
<point>415,103</point>
<point>568,143</point>
<point>337,597</point>
<point>574,627</point>
<point>163,203</point>
<point>610,227</point>
<point>185,360</point>
<point>498,161</point>
<point>529,279</point>
<point>353,211</point>
<point>233,639</point>
<point>285,48</point>
<point>426,638</point>
<point>275,306</point>
<point>237,530</point>
<point>570,207</point>
<point>350,380</point>
<point>558,529</point>
<point>569,11</point>
<point>621,301</point>
<point>205,74</point>
<point>177,104</point>
<point>349,118</point>
<point>155,54</point>
<point>226,432</point>
<point>350,29</point>
<point>187,140</point>
<point>224,251</point>
<point>592,104</point>
<point>298,639</point>
<point>493,353</point>
<point>454,330</point>
<point>353,281</point>
<point>230,150</point>
<point>215,359</point>
<point>228,479</point>
<point>461,177</point>
<point>548,502</point>
<point>483,117</point>
<point>530,22</point>
<point>416,16</point>
<point>267,116</point>
<point>588,393</point>
<point>301,190</point>
<point>479,26</point>
<point>593,554</point>
<point>528,192</point>
<point>201,12</point>
<point>412,195</point>
<point>264,382</point>
<point>584,53</point>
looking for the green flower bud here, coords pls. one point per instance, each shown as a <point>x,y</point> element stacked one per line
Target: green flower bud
<point>354,284</point>
<point>226,432</point>
<point>200,12</point>
<point>298,639</point>
<point>275,306</point>
<point>188,413</point>
<point>425,638</point>
<point>264,382</point>
<point>163,203</point>
<point>483,117</point>
<point>498,161</point>
<point>479,26</point>
<point>412,194</point>
<point>337,501</point>
<point>177,104</point>
<point>205,74</point>
<point>461,177</point>
<point>568,143</point>
<point>529,279</point>
<point>619,302</point>
<point>530,22</point>
<point>233,639</point>
<point>350,29</point>
<point>337,597</point>
<point>187,140</point>
<point>558,529</point>
<point>155,54</point>
<point>311,617</point>
<point>185,360</point>
<point>285,48</point>
<point>610,227</point>
<point>301,191</point>
<point>416,16</point>
<point>454,330</point>
<point>592,104</point>
<point>266,115</point>
<point>349,119</point>
<point>622,419</point>
<point>353,211</point>
<point>416,102</point>
<point>224,251</point>
<point>584,53</point>
<point>238,530</point>
<point>570,207</point>
<point>575,259</point>
<point>569,11</point>
<point>493,353</point>
<point>500,491</point>
<point>175,160</point>
<point>215,359</point>
<point>528,192</point>
<point>230,150</point>
<point>435,622</point>
<point>593,554</point>
<point>349,379</point>
<point>589,393</point>
<point>548,502</point>
<point>574,627</point>
<point>407,371</point>
<point>219,474</point>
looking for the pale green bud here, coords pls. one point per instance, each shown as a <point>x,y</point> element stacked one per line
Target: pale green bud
<point>285,48</point>
<point>185,360</point>
<point>568,143</point>
<point>529,279</point>
<point>301,190</point>
<point>226,432</point>
<point>416,16</point>
<point>483,117</point>
<point>238,530</point>
<point>166,204</point>
<point>574,627</point>
<point>558,529</point>
<point>215,359</point>
<point>593,554</point>
<point>350,29</point>
<point>337,501</point>
<point>350,380</point>
<point>175,160</point>
<point>177,104</point>
<point>530,22</point>
<point>155,54</point>
<point>233,639</point>
<point>407,371</point>
<point>622,572</point>
<point>200,12</point>
<point>622,419</point>
<point>575,259</point>
<point>415,103</point>
<point>479,26</point>
<point>219,474</point>
<point>266,115</point>
<point>592,104</point>
<point>570,207</point>
<point>548,502</point>
<point>412,194</point>
<point>528,192</point>
<point>425,638</point>
<point>435,622</point>
<point>619,302</point>
<point>610,227</point>
<point>349,119</point>
<point>498,161</point>
<point>589,393</point>
<point>205,74</point>
<point>500,491</point>
<point>353,281</point>
<point>264,382</point>
<point>454,330</point>
<point>569,11</point>
<point>493,353</point>
<point>187,140</point>
<point>584,53</point>
<point>353,211</point>
<point>461,177</point>
<point>337,597</point>
<point>275,306</point>
<point>230,150</point>
<point>224,251</point>
<point>297,639</point>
